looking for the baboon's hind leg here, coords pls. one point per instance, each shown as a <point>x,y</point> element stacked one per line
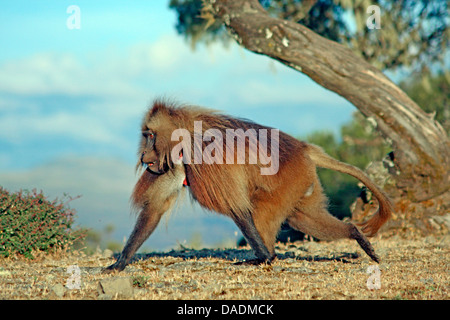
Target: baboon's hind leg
<point>364,243</point>
<point>313,218</point>
<point>253,237</point>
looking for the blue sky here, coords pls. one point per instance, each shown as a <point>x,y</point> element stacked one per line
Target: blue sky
<point>71,102</point>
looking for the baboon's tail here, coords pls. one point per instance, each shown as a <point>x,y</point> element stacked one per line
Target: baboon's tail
<point>370,227</point>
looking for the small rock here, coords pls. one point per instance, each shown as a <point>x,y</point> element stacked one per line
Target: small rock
<point>49,278</point>
<point>427,280</point>
<point>58,290</point>
<point>104,297</point>
<point>117,285</point>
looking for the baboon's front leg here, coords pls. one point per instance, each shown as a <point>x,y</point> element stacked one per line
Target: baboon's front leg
<point>144,227</point>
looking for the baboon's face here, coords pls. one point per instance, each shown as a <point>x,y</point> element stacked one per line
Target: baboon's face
<point>148,155</point>
<point>155,146</point>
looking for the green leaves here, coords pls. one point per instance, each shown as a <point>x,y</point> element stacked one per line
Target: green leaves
<point>29,222</point>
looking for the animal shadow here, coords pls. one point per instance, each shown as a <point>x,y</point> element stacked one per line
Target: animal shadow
<point>236,255</point>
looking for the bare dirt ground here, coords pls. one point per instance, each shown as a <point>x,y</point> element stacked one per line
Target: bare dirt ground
<point>410,269</point>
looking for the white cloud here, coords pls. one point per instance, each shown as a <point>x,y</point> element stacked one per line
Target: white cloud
<point>51,73</point>
<point>163,56</point>
<point>143,69</point>
<point>81,126</point>
<point>117,84</point>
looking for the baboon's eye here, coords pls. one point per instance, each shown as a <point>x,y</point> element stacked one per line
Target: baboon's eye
<point>148,134</point>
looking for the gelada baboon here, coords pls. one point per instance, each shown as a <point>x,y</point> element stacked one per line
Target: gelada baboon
<point>226,175</point>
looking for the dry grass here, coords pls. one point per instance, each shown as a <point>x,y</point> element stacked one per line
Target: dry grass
<point>410,269</point>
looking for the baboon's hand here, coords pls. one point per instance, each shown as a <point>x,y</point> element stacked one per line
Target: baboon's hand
<point>254,262</point>
<point>116,267</point>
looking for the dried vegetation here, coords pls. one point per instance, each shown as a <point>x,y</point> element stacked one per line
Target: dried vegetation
<point>410,269</point>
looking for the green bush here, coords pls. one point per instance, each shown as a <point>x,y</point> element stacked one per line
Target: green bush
<point>29,223</point>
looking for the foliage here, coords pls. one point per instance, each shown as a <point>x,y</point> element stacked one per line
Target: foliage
<point>193,24</point>
<point>29,222</point>
<point>325,17</point>
<point>412,34</point>
<point>432,93</point>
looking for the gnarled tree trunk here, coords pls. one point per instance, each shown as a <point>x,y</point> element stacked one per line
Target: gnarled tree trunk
<point>421,146</point>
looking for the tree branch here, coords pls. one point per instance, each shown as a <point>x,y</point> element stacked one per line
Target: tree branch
<point>421,146</point>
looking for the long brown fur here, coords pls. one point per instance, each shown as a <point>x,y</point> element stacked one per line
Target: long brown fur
<point>258,203</point>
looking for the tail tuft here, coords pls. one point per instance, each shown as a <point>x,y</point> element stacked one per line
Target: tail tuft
<point>371,227</point>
